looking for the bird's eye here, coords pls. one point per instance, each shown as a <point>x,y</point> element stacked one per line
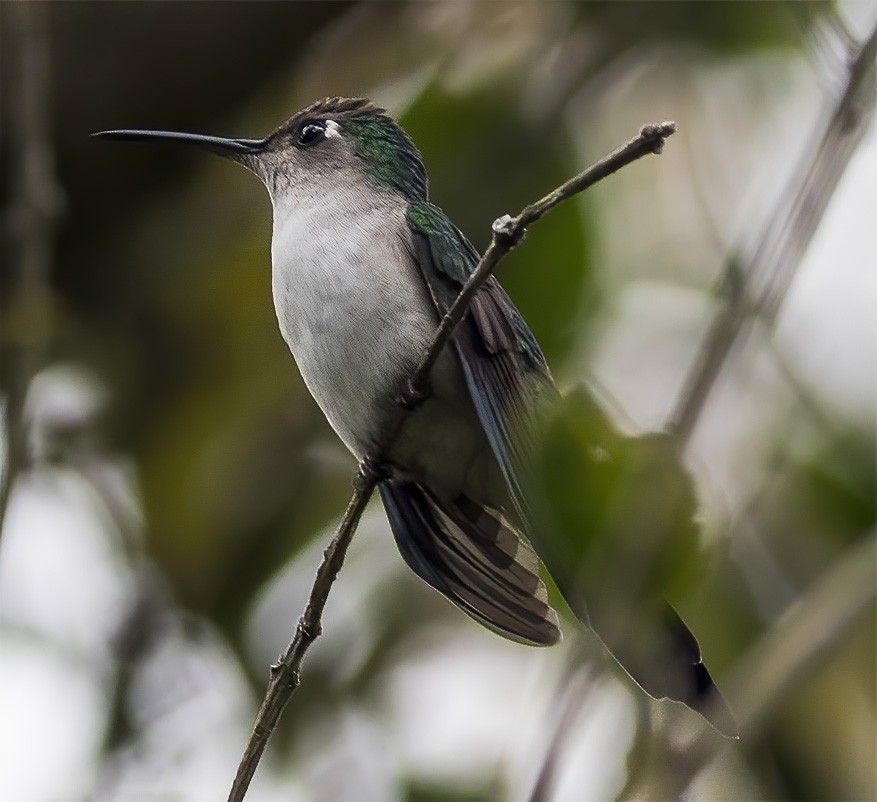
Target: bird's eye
<point>311,133</point>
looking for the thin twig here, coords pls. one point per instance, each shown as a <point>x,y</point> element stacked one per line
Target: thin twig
<point>507,233</point>
<point>805,636</point>
<point>778,250</point>
<point>570,688</point>
<point>285,673</point>
<point>824,613</point>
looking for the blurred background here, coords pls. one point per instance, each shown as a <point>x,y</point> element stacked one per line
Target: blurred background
<point>168,484</point>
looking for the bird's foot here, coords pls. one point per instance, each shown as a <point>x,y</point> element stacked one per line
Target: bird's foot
<point>371,471</point>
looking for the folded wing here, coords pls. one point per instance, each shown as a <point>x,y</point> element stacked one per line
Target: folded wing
<point>472,555</point>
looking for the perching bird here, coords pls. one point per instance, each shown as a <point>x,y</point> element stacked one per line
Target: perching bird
<point>363,267</point>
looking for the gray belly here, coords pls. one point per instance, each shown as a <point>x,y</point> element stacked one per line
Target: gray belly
<point>356,374</point>
<point>357,331</point>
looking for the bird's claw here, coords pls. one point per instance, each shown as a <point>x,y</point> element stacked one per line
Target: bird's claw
<point>371,471</point>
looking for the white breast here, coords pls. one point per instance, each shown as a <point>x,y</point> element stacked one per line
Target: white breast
<point>350,306</point>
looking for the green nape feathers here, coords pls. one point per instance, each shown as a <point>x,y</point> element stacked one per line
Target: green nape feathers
<point>390,155</point>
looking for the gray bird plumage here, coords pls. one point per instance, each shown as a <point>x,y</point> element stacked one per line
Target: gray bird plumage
<point>363,266</point>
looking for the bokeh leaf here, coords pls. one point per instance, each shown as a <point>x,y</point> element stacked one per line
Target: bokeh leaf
<point>618,511</point>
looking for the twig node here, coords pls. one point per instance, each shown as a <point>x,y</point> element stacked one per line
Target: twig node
<point>509,229</point>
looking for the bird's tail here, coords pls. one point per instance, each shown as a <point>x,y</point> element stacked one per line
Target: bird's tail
<point>473,555</point>
<point>659,652</point>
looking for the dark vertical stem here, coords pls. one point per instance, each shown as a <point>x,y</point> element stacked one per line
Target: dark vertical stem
<point>777,251</point>
<point>30,222</point>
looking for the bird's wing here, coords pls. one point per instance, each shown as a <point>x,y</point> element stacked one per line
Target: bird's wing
<point>473,556</point>
<point>505,369</point>
<point>509,382</point>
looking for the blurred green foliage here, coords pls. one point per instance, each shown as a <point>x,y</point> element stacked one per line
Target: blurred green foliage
<point>619,512</point>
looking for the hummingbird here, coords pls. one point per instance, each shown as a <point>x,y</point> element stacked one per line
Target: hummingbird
<point>363,268</point>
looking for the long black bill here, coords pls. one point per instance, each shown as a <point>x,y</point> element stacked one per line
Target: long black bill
<point>232,148</point>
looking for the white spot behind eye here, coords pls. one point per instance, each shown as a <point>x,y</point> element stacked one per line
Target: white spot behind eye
<point>332,128</point>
